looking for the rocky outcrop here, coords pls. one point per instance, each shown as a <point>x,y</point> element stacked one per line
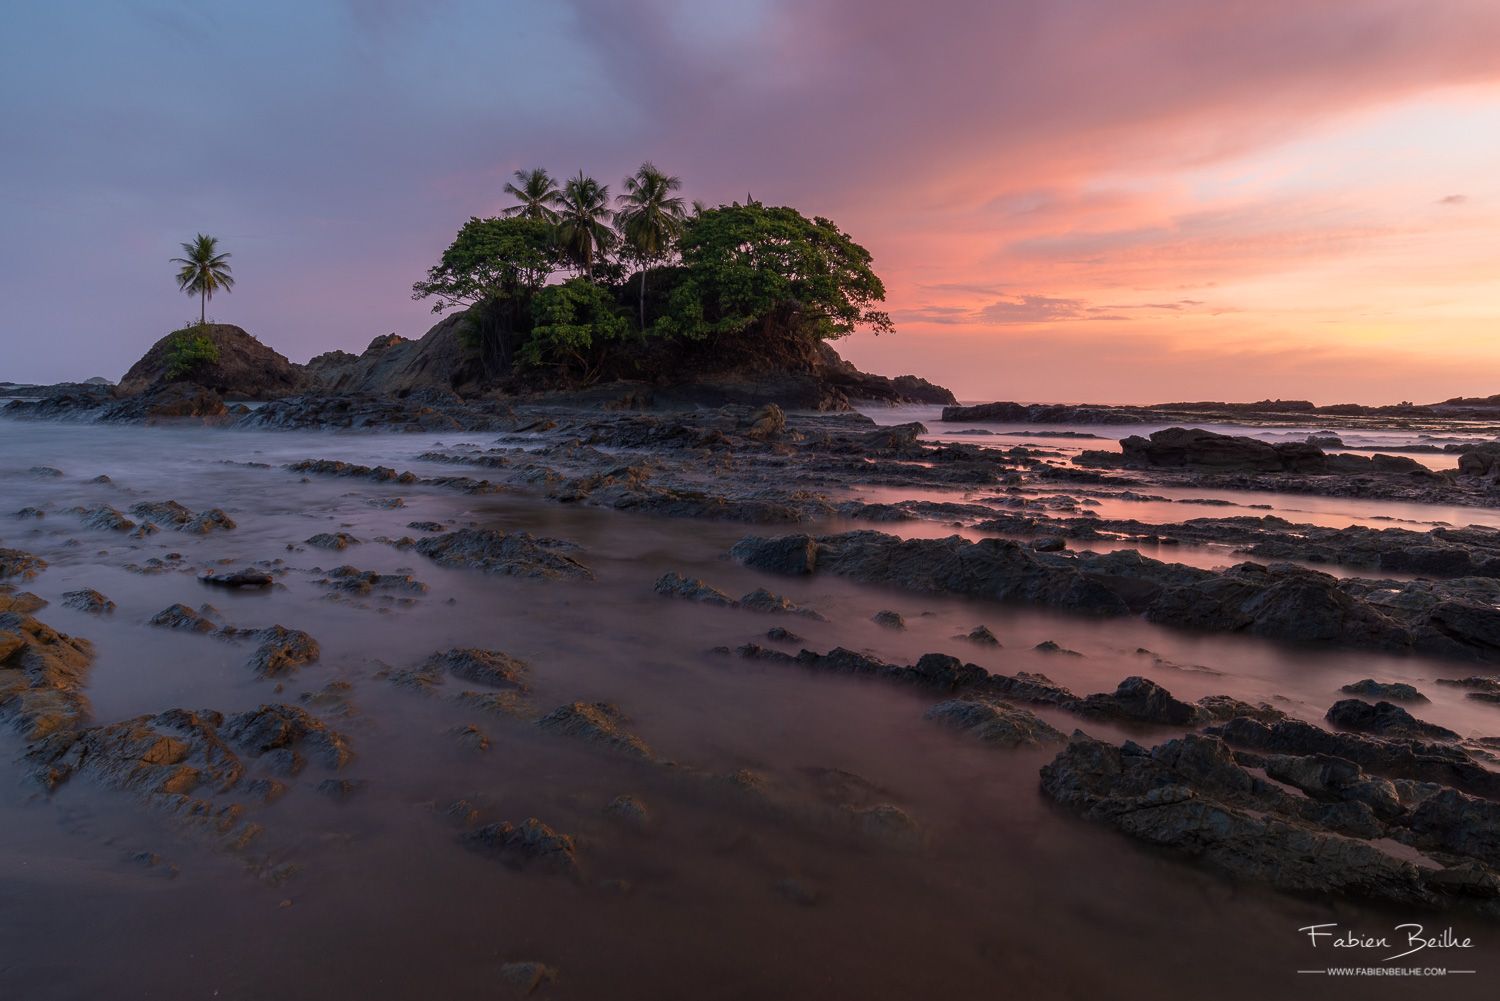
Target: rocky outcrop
<point>244,369</point>
<point>1209,451</point>
<point>1193,797</point>
<point>1457,618</point>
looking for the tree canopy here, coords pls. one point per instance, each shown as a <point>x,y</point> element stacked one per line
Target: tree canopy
<point>743,271</point>
<point>203,270</point>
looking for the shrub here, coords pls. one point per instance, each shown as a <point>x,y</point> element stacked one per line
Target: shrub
<point>187,351</point>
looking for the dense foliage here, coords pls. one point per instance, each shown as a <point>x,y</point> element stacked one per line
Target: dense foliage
<point>188,350</point>
<point>735,273</point>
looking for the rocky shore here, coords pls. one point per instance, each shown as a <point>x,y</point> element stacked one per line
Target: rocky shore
<point>499,591</point>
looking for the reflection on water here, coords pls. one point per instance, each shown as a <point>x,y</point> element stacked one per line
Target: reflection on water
<point>1007,896</point>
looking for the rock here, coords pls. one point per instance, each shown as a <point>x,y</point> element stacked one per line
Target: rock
<point>332,540</point>
<point>1051,646</point>
<point>596,723</point>
<point>515,554</point>
<point>281,650</point>
<point>180,616</point>
<point>425,526</point>
<point>170,514</point>
<point>1049,544</point>
<point>251,579</point>
<point>790,554</point>
<point>798,891</point>
<point>982,636</point>
<point>532,844</point>
<point>88,601</point>
<point>485,667</point>
<point>1141,700</point>
<point>42,671</point>
<point>994,722</point>
<point>781,634</point>
<point>14,563</point>
<point>243,368</point>
<point>674,585</point>
<point>888,619</point>
<point>1189,795</point>
<point>276,727</point>
<point>1384,690</point>
<point>341,790</point>
<point>1391,757</point>
<point>629,811</point>
<point>1385,719</point>
<point>767,423</point>
<point>31,512</point>
<point>355,581</point>
<point>104,518</point>
<point>527,977</point>
<point>45,472</point>
<point>762,600</point>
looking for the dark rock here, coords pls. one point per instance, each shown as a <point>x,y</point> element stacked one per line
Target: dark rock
<point>88,601</point>
<point>674,585</point>
<point>1390,690</point>
<point>532,844</point>
<point>252,579</point>
<point>484,667</point>
<point>515,554</point>
<point>888,619</point>
<point>1141,700</point>
<point>1385,719</point>
<point>596,723</point>
<point>994,722</point>
<point>332,540</point>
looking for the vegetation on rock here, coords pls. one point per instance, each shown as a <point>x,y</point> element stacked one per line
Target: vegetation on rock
<point>739,279</point>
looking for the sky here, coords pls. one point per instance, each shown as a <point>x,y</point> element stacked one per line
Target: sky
<point>1069,200</point>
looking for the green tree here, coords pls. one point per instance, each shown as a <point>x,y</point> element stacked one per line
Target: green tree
<point>535,193</point>
<point>203,272</point>
<point>650,218</point>
<point>493,266</point>
<point>574,322</point>
<point>583,225</point>
<point>749,266</point>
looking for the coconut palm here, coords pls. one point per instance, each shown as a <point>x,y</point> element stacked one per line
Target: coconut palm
<point>204,271</point>
<point>537,193</point>
<point>650,218</point>
<point>583,222</point>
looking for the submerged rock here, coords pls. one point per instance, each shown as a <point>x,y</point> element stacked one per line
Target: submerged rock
<point>485,667</point>
<point>994,723</point>
<point>1391,690</point>
<point>14,563</point>
<point>88,601</point>
<point>332,540</point>
<point>674,585</point>
<point>532,844</point>
<point>514,554</point>
<point>596,723</point>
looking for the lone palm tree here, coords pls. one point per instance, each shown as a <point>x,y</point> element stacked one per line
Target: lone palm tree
<point>650,218</point>
<point>537,193</point>
<point>204,271</point>
<point>583,225</point>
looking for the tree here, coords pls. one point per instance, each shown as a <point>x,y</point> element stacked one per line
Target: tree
<point>204,271</point>
<point>583,226</point>
<point>574,322</point>
<point>745,266</point>
<point>536,193</point>
<point>650,218</point>
<point>493,266</point>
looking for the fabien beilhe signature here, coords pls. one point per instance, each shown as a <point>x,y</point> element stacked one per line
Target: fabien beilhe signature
<point>1413,937</point>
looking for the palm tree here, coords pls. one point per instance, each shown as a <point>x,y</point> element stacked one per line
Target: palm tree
<point>650,218</point>
<point>204,271</point>
<point>583,228</point>
<point>537,193</point>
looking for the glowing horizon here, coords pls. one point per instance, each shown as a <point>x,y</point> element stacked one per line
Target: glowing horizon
<point>1068,201</point>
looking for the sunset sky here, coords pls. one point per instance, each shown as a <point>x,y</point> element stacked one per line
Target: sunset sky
<point>1111,200</point>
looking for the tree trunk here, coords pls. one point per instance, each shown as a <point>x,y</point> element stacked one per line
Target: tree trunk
<point>643,297</point>
<point>202,307</point>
